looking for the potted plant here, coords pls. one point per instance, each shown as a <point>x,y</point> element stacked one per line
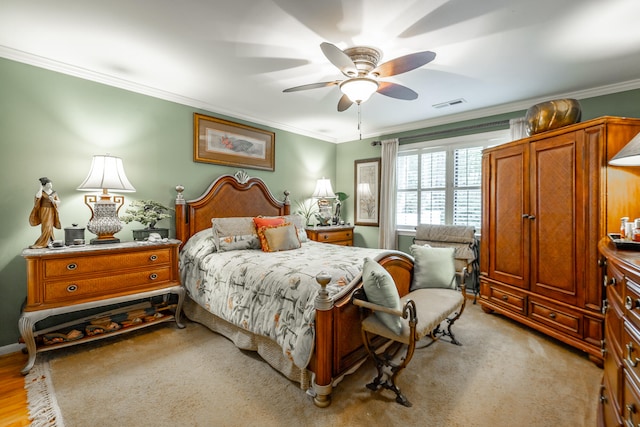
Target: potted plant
<point>147,213</point>
<point>307,209</point>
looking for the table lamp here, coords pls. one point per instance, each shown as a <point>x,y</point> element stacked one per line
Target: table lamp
<point>106,173</point>
<point>323,192</point>
<point>629,155</point>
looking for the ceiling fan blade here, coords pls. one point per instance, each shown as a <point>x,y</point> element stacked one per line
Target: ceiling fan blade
<point>394,90</point>
<point>404,63</point>
<point>344,103</point>
<point>340,59</point>
<point>312,86</point>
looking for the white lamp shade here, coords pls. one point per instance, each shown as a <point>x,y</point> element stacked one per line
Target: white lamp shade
<point>359,89</point>
<point>323,189</point>
<point>106,173</point>
<point>629,155</point>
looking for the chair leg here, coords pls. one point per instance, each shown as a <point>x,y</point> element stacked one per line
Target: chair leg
<point>437,332</point>
<point>385,359</point>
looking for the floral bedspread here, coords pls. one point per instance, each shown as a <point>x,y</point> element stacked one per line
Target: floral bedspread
<point>270,294</point>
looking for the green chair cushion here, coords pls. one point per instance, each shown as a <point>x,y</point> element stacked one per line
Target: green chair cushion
<point>380,289</point>
<point>433,267</point>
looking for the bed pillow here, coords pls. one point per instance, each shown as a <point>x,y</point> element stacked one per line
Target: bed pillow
<point>380,289</point>
<point>232,228</point>
<point>299,222</point>
<point>236,243</point>
<point>199,245</point>
<point>276,238</point>
<point>433,267</point>
<point>266,221</point>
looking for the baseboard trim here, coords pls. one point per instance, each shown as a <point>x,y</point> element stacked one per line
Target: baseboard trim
<point>11,348</point>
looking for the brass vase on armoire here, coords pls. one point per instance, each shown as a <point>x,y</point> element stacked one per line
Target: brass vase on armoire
<point>547,201</point>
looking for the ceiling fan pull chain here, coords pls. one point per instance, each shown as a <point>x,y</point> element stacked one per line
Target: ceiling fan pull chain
<point>359,121</point>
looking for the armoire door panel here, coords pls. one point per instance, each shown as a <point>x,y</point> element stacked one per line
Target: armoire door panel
<point>553,230</point>
<point>509,229</point>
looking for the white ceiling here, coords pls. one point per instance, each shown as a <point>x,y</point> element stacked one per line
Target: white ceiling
<point>235,57</point>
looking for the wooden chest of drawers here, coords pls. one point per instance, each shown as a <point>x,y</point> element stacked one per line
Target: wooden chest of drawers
<point>335,234</point>
<point>620,389</point>
<point>71,279</point>
<point>59,277</point>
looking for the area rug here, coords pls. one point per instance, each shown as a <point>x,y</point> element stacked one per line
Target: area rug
<point>42,404</point>
<point>504,374</point>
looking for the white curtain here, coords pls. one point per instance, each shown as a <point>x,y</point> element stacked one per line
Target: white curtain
<point>518,128</point>
<point>388,239</point>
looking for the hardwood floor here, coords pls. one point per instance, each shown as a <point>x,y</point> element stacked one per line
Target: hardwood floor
<point>13,396</point>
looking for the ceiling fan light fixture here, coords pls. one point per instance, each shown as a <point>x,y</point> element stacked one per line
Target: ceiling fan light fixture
<point>359,89</point>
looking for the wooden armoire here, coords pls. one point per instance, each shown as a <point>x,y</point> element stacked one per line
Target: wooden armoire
<point>547,201</point>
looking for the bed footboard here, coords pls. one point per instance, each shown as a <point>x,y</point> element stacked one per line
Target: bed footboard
<point>339,347</point>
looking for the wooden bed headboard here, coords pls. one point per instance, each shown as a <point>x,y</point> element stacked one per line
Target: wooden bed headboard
<point>228,196</point>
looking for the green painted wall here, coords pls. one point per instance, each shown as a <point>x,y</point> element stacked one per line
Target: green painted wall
<point>52,124</point>
<point>623,104</point>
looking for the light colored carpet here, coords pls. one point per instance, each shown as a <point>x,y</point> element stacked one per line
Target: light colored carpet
<point>502,375</point>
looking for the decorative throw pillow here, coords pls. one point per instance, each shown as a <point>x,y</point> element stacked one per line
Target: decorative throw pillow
<point>266,221</point>
<point>433,267</point>
<point>236,243</point>
<point>278,237</point>
<point>232,226</point>
<point>380,289</point>
<point>299,222</point>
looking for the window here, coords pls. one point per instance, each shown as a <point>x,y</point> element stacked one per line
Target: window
<point>439,181</point>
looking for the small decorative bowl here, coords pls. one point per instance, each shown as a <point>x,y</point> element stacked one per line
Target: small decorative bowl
<point>552,115</point>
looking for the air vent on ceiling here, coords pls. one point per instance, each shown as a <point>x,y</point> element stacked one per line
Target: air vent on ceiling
<point>449,103</point>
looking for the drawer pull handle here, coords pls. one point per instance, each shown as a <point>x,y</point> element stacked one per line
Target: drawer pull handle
<point>153,276</point>
<point>611,282</point>
<point>630,304</point>
<point>505,298</point>
<point>632,361</point>
<point>153,257</point>
<point>72,288</point>
<point>552,315</point>
<point>72,266</point>
<point>603,397</point>
<point>631,408</point>
<point>325,236</point>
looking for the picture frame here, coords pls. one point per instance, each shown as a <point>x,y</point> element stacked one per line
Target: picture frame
<point>227,143</point>
<point>367,192</point>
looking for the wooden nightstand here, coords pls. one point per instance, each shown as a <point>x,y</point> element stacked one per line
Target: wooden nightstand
<point>335,234</point>
<point>75,278</point>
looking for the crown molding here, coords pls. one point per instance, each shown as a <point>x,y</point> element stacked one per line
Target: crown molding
<point>85,74</point>
<point>71,70</point>
<point>508,108</point>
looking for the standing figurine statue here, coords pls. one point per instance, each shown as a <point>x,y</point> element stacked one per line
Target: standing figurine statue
<point>45,213</point>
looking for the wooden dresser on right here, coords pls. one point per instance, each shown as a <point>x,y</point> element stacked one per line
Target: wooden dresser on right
<point>620,389</point>
<point>547,200</point>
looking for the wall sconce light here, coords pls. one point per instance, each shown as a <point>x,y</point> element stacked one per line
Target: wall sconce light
<point>323,192</point>
<point>106,173</point>
<point>629,155</point>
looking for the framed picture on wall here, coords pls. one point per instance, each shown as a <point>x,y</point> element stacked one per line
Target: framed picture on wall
<point>232,144</point>
<point>367,191</point>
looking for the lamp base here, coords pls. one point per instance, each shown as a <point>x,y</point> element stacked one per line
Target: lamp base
<point>99,241</point>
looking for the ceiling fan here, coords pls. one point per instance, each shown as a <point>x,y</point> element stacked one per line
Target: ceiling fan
<point>360,65</point>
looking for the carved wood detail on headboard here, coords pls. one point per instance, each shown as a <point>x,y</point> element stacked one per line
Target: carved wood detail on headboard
<point>228,196</point>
